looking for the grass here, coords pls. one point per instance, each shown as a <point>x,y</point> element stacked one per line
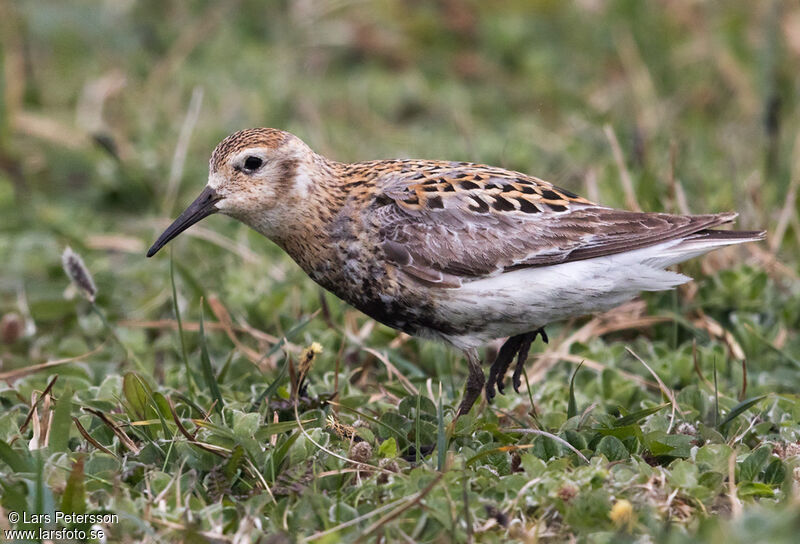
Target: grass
<point>183,398</point>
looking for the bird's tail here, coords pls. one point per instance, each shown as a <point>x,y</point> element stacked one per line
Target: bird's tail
<point>703,241</point>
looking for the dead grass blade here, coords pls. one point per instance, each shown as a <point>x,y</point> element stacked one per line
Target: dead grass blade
<point>715,330</point>
<point>36,403</point>
<point>240,250</point>
<point>194,326</point>
<point>224,318</point>
<point>211,448</point>
<point>89,438</point>
<point>115,242</point>
<point>189,436</point>
<point>18,373</point>
<point>50,130</point>
<point>181,149</point>
<point>39,438</point>
<point>123,437</point>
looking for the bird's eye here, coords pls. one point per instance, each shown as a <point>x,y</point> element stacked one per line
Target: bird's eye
<point>252,163</point>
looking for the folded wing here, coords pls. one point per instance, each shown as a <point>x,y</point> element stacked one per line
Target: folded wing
<point>459,222</point>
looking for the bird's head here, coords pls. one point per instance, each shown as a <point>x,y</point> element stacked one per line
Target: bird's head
<point>255,176</point>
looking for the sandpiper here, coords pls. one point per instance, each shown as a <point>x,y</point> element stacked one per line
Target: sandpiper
<point>460,252</point>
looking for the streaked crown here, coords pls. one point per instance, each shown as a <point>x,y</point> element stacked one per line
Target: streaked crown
<point>271,138</point>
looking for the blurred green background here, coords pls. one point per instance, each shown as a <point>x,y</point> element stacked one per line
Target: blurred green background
<point>110,110</point>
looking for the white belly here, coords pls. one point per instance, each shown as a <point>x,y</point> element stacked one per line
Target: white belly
<point>526,299</point>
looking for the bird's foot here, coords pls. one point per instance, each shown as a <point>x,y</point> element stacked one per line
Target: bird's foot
<point>518,346</point>
<point>523,354</point>
<point>500,365</point>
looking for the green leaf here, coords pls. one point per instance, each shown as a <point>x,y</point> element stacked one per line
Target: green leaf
<point>754,489</point>
<point>775,474</point>
<point>683,474</point>
<point>161,404</point>
<point>43,501</point>
<point>74,498</point>
<point>388,448</point>
<point>392,424</point>
<point>613,448</point>
<point>232,465</point>
<point>752,465</point>
<point>409,405</point>
<point>493,455</point>
<point>426,433</point>
<point>671,445</point>
<point>223,372</point>
<point>280,427</point>
<point>639,415</point>
<point>626,432</point>
<point>271,388</point>
<point>137,393</point>
<point>208,371</point>
<point>575,438</point>
<point>13,459</point>
<point>711,480</point>
<point>572,407</point>
<point>13,499</point>
<point>142,403</point>
<point>533,465</point>
<point>62,422</point>
<point>714,457</point>
<point>279,454</point>
<point>709,434</point>
<point>545,448</point>
<point>245,425</point>
<point>366,434</point>
<point>739,409</point>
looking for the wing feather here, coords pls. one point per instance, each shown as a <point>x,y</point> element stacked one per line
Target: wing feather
<point>452,222</point>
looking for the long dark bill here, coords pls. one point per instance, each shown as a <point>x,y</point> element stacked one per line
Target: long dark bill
<point>203,206</point>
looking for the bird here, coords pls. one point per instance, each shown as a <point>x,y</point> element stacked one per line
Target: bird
<point>458,252</point>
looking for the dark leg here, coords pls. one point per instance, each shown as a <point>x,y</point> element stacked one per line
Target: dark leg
<point>523,354</point>
<point>475,382</point>
<point>500,365</point>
